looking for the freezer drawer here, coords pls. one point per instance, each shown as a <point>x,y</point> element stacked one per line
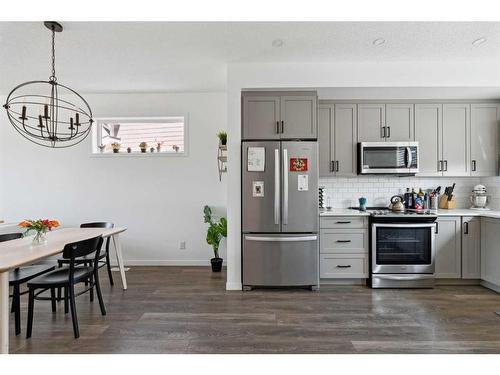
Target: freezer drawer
<point>280,260</point>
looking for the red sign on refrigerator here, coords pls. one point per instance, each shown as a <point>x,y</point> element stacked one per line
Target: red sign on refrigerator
<point>298,164</point>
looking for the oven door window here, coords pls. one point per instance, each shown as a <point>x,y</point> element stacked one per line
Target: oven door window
<point>404,245</point>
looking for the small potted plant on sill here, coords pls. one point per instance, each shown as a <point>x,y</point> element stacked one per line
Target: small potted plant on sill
<point>175,148</point>
<point>222,137</point>
<point>143,146</point>
<point>101,148</point>
<point>40,226</point>
<point>215,232</point>
<point>129,150</point>
<point>158,146</point>
<point>116,147</point>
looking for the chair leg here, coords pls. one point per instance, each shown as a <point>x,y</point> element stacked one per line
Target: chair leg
<point>31,302</point>
<point>16,305</point>
<point>53,299</point>
<point>59,263</point>
<point>66,307</point>
<point>110,274</point>
<point>74,318</point>
<point>91,283</point>
<point>99,294</point>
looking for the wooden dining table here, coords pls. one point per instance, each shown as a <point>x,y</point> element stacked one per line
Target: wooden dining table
<point>21,252</point>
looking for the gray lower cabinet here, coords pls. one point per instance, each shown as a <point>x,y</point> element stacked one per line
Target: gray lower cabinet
<point>337,139</point>
<point>448,248</point>
<point>490,250</point>
<point>471,247</point>
<point>279,115</point>
<point>344,247</point>
<point>484,139</point>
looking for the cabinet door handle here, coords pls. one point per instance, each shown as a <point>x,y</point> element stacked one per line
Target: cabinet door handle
<point>445,165</point>
<point>277,127</point>
<point>388,132</point>
<point>473,165</point>
<point>382,132</point>
<point>343,241</point>
<point>332,166</point>
<point>336,165</point>
<point>343,266</point>
<point>437,228</point>
<point>440,165</point>
<point>282,127</point>
<point>343,222</point>
<point>466,228</point>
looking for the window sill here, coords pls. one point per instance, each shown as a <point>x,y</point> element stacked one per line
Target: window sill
<point>139,155</point>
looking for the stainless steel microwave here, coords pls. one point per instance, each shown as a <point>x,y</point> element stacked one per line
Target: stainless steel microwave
<point>399,158</point>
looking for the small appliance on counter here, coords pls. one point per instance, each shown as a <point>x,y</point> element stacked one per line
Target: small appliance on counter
<point>479,199</point>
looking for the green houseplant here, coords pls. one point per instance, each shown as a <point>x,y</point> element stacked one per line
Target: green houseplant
<point>215,232</point>
<point>222,137</point>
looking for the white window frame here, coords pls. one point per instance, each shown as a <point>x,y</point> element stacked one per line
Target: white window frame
<point>96,135</point>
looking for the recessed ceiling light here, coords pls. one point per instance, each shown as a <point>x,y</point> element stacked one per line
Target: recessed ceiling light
<point>278,43</point>
<point>479,41</point>
<point>378,41</point>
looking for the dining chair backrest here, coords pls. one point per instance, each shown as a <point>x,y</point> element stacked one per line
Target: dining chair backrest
<point>10,236</point>
<point>99,224</point>
<point>81,248</point>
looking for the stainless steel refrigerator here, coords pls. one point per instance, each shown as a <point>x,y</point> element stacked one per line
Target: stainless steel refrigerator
<point>280,213</point>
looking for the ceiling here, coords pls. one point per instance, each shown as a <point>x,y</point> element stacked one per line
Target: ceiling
<point>189,56</point>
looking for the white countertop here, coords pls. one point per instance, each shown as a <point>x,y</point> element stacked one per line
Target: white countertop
<point>457,212</point>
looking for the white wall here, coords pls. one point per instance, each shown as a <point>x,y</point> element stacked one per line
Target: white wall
<point>159,199</point>
<point>323,75</point>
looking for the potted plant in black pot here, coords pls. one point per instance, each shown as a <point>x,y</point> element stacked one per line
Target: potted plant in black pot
<point>215,232</point>
<point>222,135</point>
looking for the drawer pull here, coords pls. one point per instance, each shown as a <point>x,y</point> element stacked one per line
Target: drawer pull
<point>341,266</point>
<point>343,222</point>
<point>343,241</point>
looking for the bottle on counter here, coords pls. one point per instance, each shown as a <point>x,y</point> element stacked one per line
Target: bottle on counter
<point>407,199</point>
<point>413,198</point>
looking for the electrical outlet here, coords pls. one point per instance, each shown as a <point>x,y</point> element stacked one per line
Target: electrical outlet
<point>182,245</point>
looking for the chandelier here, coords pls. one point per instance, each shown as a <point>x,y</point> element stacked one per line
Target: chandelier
<point>47,112</point>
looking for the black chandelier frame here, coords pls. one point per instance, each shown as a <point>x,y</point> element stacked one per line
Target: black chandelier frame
<point>46,128</point>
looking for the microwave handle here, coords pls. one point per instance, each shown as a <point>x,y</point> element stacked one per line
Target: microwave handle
<point>409,159</point>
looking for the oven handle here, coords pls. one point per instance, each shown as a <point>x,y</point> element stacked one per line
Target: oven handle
<point>411,225</point>
<point>402,277</point>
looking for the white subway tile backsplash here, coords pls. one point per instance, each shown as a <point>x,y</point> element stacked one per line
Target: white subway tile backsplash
<point>344,192</point>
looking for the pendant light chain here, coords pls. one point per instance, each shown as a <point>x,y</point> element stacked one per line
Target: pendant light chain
<point>53,76</point>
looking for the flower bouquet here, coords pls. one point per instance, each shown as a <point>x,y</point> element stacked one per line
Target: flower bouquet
<point>40,226</point>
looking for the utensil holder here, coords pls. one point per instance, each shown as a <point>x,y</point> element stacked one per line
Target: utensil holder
<point>446,204</point>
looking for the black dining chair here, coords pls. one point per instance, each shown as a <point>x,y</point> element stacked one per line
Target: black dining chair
<point>103,258</point>
<point>67,278</point>
<point>19,276</point>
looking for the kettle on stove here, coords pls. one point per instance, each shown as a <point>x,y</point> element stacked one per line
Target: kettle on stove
<point>397,204</point>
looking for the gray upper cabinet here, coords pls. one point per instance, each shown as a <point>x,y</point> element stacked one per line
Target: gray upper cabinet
<point>276,115</point>
<point>337,139</point>
<point>326,139</point>
<point>298,117</point>
<point>428,134</point>
<point>399,122</point>
<point>484,139</point>
<point>448,248</point>
<point>455,144</point>
<point>371,120</point>
<point>261,117</point>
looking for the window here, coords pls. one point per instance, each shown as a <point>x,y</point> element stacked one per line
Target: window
<point>165,135</point>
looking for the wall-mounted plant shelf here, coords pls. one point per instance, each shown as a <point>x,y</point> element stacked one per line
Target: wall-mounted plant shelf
<point>222,160</point>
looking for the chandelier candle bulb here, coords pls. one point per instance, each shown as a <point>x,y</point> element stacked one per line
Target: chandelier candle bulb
<point>77,117</point>
<point>23,116</point>
<point>71,127</point>
<point>46,111</point>
<point>40,122</point>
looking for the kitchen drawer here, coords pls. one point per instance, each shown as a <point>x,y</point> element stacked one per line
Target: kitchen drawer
<point>343,241</point>
<point>334,266</point>
<point>341,222</point>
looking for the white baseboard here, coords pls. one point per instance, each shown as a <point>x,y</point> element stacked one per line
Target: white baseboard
<point>234,286</point>
<point>184,262</point>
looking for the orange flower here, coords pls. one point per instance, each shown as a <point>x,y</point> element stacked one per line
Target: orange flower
<point>54,223</point>
<point>23,224</point>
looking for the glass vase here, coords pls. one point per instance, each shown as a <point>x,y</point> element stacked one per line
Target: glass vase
<point>39,238</point>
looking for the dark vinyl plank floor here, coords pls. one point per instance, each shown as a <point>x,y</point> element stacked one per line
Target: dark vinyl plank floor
<point>188,310</point>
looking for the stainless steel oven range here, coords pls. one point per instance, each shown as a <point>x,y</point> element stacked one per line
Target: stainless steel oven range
<point>402,249</point>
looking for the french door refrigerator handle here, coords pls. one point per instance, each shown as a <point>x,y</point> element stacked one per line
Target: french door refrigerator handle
<point>281,239</point>
<point>276,186</point>
<point>285,186</point>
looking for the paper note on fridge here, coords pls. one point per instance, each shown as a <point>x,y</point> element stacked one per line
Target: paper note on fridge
<point>256,157</point>
<point>258,189</point>
<point>303,182</point>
